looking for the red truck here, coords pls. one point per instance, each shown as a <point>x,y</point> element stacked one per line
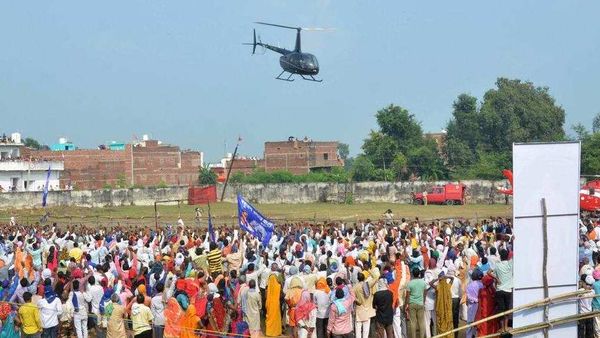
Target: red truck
<point>448,194</point>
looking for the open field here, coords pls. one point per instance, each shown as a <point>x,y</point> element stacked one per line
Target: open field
<point>226,213</point>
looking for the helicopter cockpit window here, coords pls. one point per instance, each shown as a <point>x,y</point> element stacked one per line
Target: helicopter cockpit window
<point>312,60</point>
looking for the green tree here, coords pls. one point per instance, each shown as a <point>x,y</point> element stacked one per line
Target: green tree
<point>363,169</point>
<point>399,166</point>
<point>519,112</point>
<point>32,143</point>
<point>348,163</point>
<point>463,135</point>
<point>581,132</point>
<point>458,153</point>
<point>590,154</point>
<point>425,161</point>
<point>596,124</point>
<point>489,165</point>
<point>343,150</point>
<point>206,176</point>
<point>397,123</point>
<point>380,149</point>
<point>514,111</point>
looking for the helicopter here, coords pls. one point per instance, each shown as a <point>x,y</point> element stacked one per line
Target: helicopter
<point>292,61</point>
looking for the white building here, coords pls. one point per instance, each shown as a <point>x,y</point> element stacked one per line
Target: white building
<point>18,174</point>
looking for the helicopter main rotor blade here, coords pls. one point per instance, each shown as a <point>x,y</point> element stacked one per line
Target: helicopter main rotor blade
<point>317,29</point>
<point>275,25</point>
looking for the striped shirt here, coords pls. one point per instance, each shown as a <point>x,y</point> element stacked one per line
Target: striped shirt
<point>215,261</point>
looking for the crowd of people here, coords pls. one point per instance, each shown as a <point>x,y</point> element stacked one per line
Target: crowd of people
<point>391,278</point>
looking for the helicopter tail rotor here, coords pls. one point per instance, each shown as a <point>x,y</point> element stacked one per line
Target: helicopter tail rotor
<point>253,43</point>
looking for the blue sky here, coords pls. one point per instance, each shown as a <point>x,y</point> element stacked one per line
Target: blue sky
<point>102,71</point>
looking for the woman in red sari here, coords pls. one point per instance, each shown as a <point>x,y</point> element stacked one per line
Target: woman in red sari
<point>216,316</point>
<point>486,308</point>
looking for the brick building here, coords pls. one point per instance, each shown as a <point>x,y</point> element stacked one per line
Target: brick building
<point>301,156</point>
<point>296,156</point>
<point>145,163</point>
<point>439,138</point>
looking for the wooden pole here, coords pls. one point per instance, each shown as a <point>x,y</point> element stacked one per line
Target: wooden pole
<point>546,325</point>
<point>229,170</point>
<point>545,262</point>
<point>556,299</point>
<point>155,216</point>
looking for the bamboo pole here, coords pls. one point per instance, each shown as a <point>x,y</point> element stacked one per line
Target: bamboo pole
<point>558,298</point>
<point>545,325</point>
<point>545,262</point>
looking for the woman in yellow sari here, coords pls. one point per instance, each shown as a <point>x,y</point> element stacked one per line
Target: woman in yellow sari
<point>189,322</point>
<point>273,306</point>
<point>443,306</point>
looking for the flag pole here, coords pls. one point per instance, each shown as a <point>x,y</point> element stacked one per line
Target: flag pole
<point>211,230</point>
<point>230,166</point>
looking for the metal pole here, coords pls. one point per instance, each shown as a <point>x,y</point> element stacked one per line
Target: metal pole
<point>229,170</point>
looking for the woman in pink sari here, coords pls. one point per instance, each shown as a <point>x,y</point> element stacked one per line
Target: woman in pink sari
<point>306,315</point>
<point>173,318</point>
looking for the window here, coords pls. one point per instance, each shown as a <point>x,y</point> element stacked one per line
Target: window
<point>325,156</point>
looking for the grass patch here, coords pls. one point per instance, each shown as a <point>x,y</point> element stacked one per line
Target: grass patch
<point>226,213</point>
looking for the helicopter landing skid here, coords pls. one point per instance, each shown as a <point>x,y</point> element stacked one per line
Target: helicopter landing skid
<point>312,78</point>
<point>289,78</point>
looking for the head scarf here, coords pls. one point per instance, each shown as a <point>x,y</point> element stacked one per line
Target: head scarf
<point>333,267</point>
<point>425,254</point>
<point>382,284</point>
<point>183,301</point>
<point>305,306</point>
<point>173,314</point>
<point>487,280</point>
<point>432,263</point>
<point>49,294</point>
<point>476,274</point>
<point>474,260</point>
<point>589,280</point>
<point>296,283</point>
<point>322,285</point>
<point>77,273</point>
<point>389,277</point>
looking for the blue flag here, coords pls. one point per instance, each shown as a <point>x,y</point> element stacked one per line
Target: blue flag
<point>45,193</point>
<point>211,230</point>
<point>253,222</point>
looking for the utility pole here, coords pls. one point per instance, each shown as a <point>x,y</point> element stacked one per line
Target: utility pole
<point>230,166</point>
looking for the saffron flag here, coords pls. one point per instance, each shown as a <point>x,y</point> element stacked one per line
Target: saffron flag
<point>45,193</point>
<point>251,221</point>
<point>211,230</point>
